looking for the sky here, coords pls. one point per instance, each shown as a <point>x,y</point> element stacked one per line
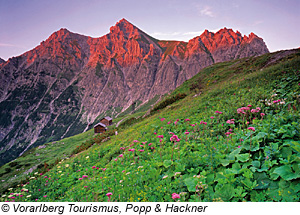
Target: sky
<point>24,24</point>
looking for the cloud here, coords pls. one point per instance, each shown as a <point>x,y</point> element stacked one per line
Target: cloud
<point>207,11</point>
<point>9,45</point>
<point>193,33</point>
<point>166,34</point>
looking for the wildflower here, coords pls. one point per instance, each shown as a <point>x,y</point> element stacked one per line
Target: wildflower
<point>149,144</point>
<point>239,146</point>
<point>177,173</point>
<point>46,177</point>
<point>131,150</point>
<point>251,128</point>
<point>116,159</point>
<point>122,148</point>
<point>205,123</point>
<point>104,169</point>
<point>160,136</point>
<point>121,181</point>
<point>79,179</point>
<point>174,138</point>
<point>67,165</point>
<point>212,117</point>
<point>87,157</point>
<point>165,177</point>
<point>249,106</point>
<point>175,196</point>
<point>123,171</point>
<point>109,196</point>
<point>28,196</point>
<point>45,196</point>
<point>162,119</point>
<point>187,120</point>
<point>152,147</point>
<point>219,112</point>
<point>257,108</point>
<point>155,133</point>
<point>85,186</point>
<point>193,125</point>
<point>262,114</point>
<point>93,167</point>
<point>121,155</point>
<point>127,173</point>
<point>84,176</point>
<point>186,132</point>
<point>140,167</point>
<point>135,141</point>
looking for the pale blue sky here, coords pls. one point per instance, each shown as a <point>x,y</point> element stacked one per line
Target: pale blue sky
<point>25,23</point>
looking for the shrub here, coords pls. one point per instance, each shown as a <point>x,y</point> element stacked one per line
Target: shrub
<point>167,102</point>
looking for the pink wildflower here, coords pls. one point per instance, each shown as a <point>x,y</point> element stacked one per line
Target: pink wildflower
<point>262,114</point>
<point>251,128</point>
<point>104,169</point>
<point>219,112</point>
<point>121,155</point>
<point>108,194</point>
<point>212,117</point>
<point>45,196</point>
<point>175,196</point>
<point>116,159</point>
<point>149,144</point>
<point>84,176</point>
<point>187,120</point>
<point>93,167</point>
<point>141,150</point>
<point>186,132</point>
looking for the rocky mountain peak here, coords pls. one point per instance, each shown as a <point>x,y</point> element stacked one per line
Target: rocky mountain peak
<point>125,28</point>
<point>1,60</point>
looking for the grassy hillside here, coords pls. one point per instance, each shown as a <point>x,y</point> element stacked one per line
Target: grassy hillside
<point>233,137</point>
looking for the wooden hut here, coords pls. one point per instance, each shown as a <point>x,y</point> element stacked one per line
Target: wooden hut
<point>106,121</point>
<point>100,128</point>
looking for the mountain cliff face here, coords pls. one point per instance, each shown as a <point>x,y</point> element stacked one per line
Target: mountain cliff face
<point>69,81</point>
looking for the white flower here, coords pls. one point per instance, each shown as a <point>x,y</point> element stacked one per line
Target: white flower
<point>28,196</point>
<point>177,173</point>
<point>121,181</point>
<point>10,188</point>
<point>127,173</point>
<point>140,167</point>
<point>67,165</point>
<point>36,173</point>
<point>3,196</point>
<point>165,177</point>
<point>87,157</point>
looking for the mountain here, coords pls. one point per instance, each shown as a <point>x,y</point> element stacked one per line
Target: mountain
<point>68,82</point>
<point>1,60</point>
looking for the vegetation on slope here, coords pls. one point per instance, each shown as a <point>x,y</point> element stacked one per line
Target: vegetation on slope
<point>237,140</point>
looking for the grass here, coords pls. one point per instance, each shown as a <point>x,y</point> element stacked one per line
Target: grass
<point>256,158</point>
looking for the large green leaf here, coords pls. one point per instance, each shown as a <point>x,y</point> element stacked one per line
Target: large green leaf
<point>243,157</point>
<point>225,192</point>
<point>286,172</point>
<point>262,181</point>
<point>167,163</point>
<point>191,184</point>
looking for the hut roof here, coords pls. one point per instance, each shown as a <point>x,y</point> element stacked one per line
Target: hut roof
<point>101,124</point>
<point>107,118</point>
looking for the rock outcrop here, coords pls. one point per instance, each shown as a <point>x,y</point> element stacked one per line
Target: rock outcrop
<point>67,82</point>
